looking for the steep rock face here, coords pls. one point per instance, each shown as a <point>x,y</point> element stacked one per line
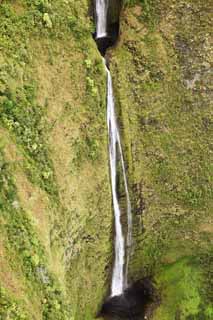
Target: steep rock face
<point>55,197</point>
<point>161,72</point>
<point>114,9</point>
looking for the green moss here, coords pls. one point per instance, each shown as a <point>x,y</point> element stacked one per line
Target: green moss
<point>9,308</point>
<point>161,106</point>
<point>28,254</point>
<point>53,109</point>
<point>150,13</point>
<point>52,90</point>
<point>181,285</point>
<point>24,119</point>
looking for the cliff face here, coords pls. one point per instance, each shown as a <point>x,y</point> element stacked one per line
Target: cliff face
<point>161,71</point>
<point>56,219</point>
<point>56,240</point>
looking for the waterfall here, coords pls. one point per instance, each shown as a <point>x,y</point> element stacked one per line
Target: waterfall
<point>101,14</point>
<point>114,139</point>
<point>119,276</point>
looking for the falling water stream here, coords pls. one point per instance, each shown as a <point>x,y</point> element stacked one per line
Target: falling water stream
<point>122,242</point>
<point>119,278</point>
<point>101,14</point>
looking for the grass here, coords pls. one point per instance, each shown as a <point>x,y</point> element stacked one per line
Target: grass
<point>53,138</point>
<point>10,309</point>
<point>27,251</point>
<point>25,120</point>
<point>181,284</point>
<point>53,110</point>
<point>168,150</point>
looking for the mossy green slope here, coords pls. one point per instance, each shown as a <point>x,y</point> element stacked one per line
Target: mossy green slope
<point>56,219</point>
<point>161,68</point>
<point>55,201</point>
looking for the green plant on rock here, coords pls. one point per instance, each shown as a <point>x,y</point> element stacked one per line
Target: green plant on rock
<point>91,86</point>
<point>9,308</point>
<point>22,117</point>
<point>28,253</point>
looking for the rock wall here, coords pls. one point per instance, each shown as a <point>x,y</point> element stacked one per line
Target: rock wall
<point>161,71</point>
<point>55,196</point>
<point>56,223</point>
<point>114,9</point>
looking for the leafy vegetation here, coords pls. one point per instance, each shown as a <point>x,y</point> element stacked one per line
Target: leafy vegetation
<point>55,201</point>
<point>24,245</point>
<point>183,282</point>
<point>149,9</point>
<point>10,309</point>
<point>52,137</point>
<point>25,120</point>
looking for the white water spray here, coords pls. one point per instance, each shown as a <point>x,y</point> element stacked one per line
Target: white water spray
<point>101,13</point>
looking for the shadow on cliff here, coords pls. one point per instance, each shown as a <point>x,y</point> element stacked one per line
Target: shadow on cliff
<point>132,304</point>
<point>113,25</point>
<point>104,43</point>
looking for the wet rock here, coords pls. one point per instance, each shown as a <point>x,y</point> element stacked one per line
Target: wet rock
<point>130,305</point>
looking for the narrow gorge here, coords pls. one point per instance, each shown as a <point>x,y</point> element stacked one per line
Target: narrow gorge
<point>120,270</point>
<point>125,302</point>
<point>106,160</point>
